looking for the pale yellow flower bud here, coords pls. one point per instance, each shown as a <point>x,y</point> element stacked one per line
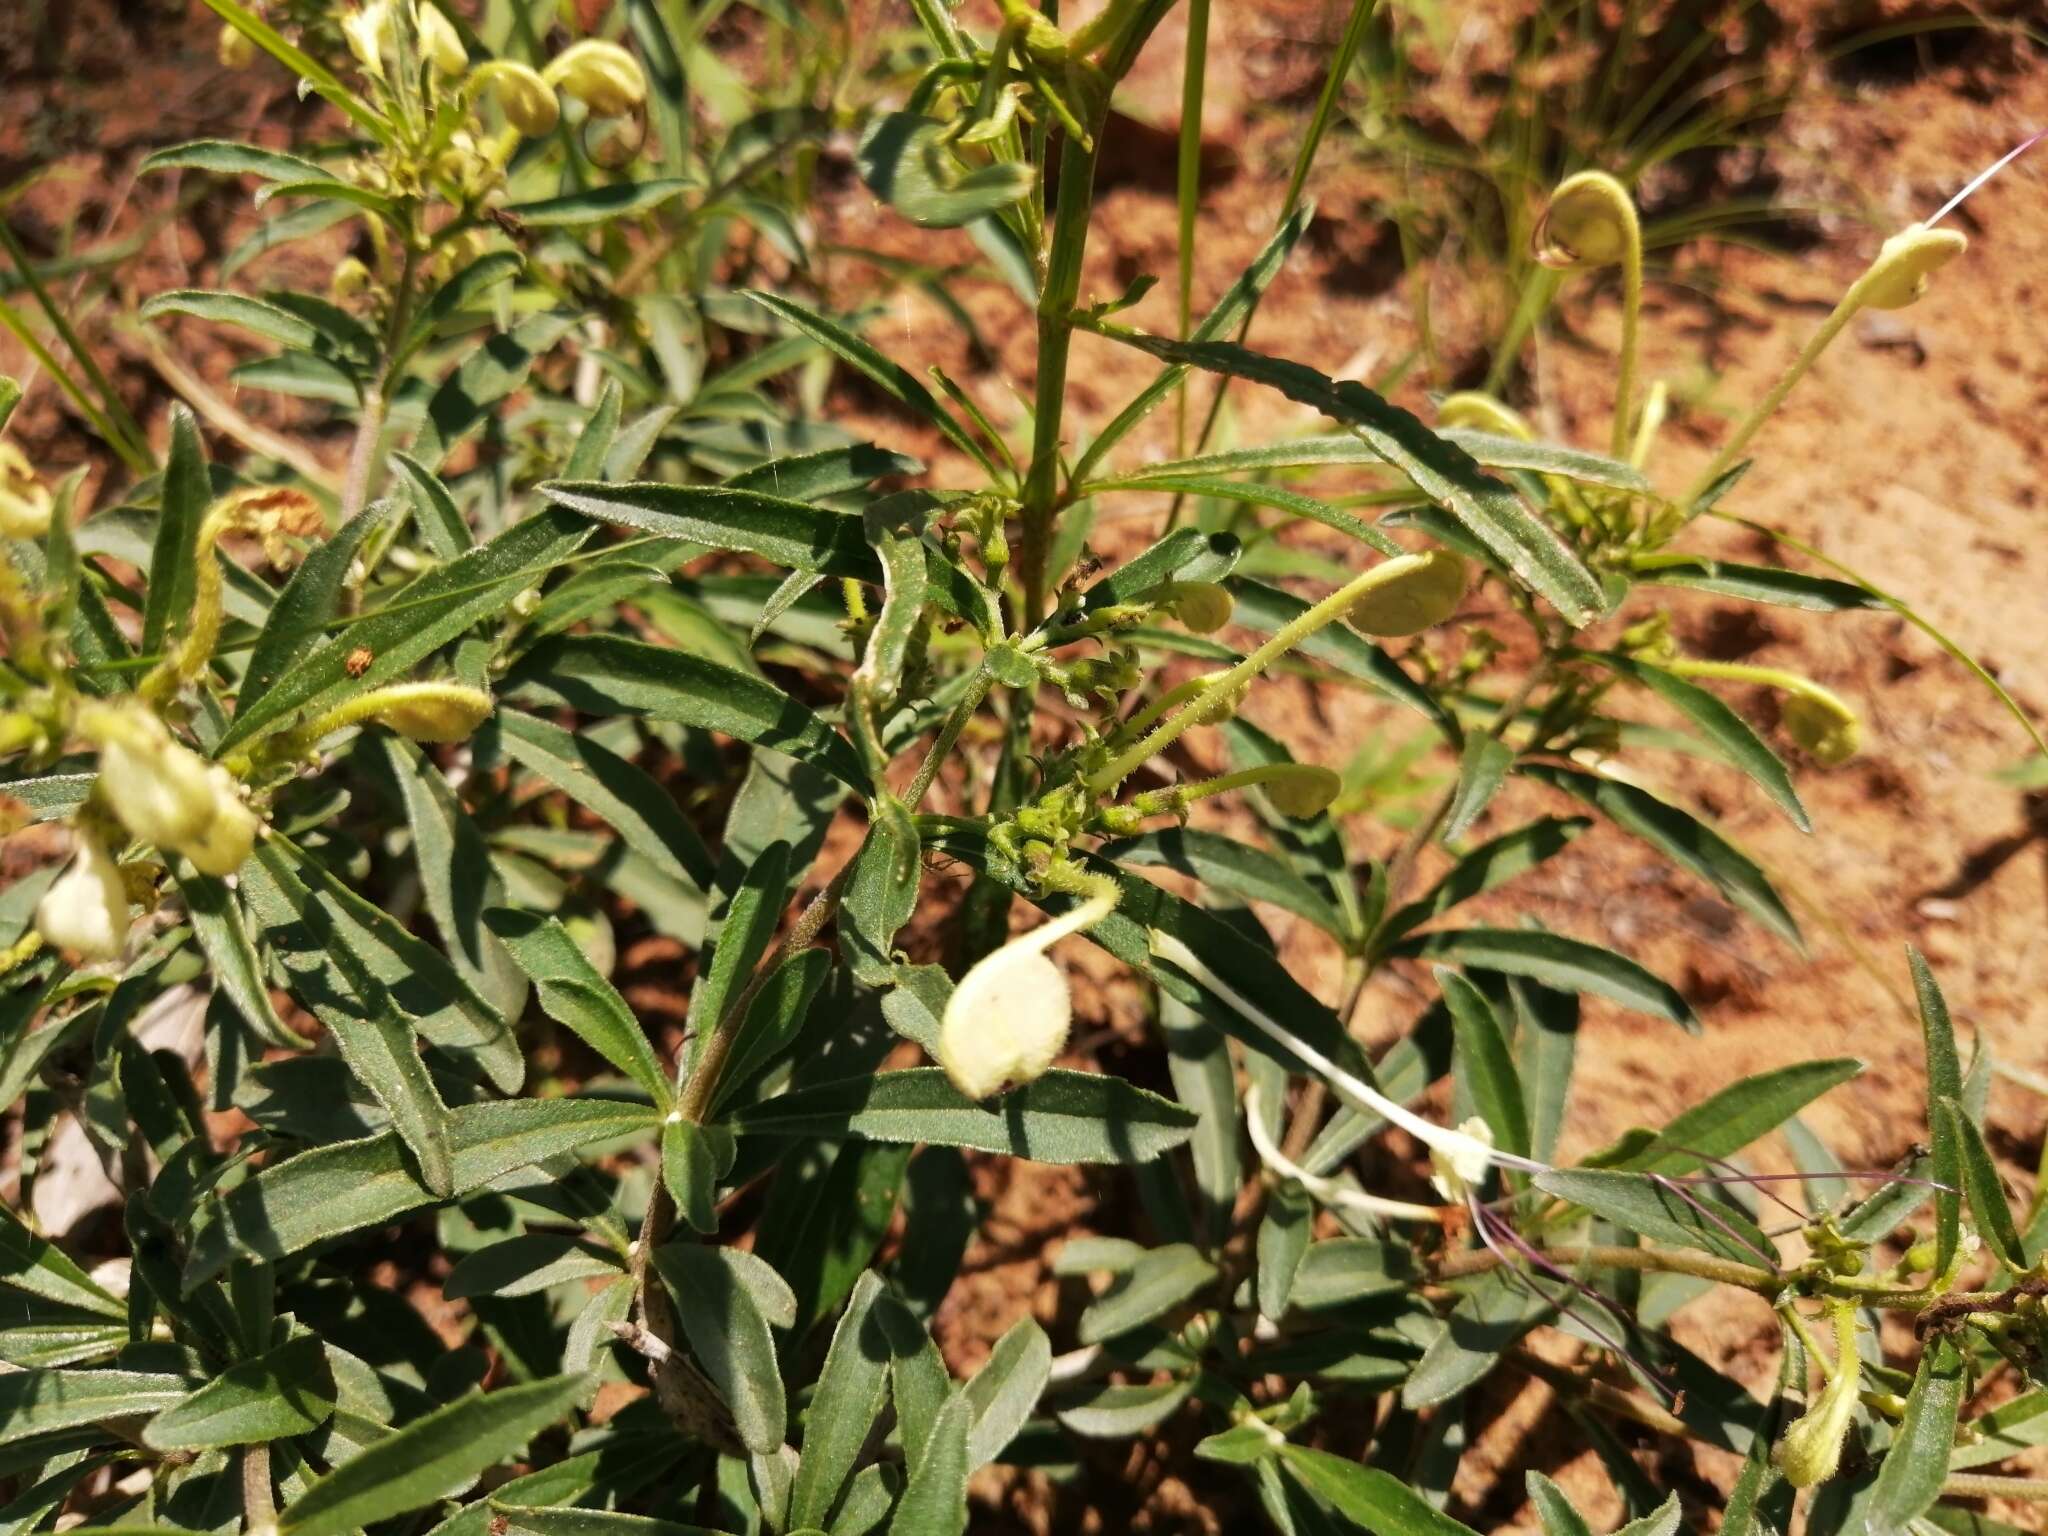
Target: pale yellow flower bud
<point>351,280</point>
<point>1810,1451</point>
<point>159,788</point>
<point>441,43</point>
<point>1202,606</point>
<point>367,31</point>
<point>1474,408</point>
<point>1305,789</point>
<point>603,76</point>
<point>1591,222</point>
<point>234,50</point>
<point>1826,727</point>
<point>85,913</point>
<point>422,711</point>
<point>1905,262</point>
<point>224,845</point>
<point>1424,594</point>
<point>527,100</point>
<point>25,502</point>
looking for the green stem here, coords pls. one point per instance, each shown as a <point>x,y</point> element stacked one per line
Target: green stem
<point>1631,314</point>
<point>1189,188</point>
<point>1224,685</point>
<point>1980,1485</point>
<point>949,733</point>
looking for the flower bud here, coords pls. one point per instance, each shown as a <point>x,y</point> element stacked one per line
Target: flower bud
<point>1006,1021</point>
<point>441,43</point>
<point>1425,592</point>
<point>224,844</point>
<point>1905,262</point>
<point>1304,790</point>
<point>1463,1165</point>
<point>159,788</point>
<point>601,75</point>
<point>1827,728</point>
<point>234,50</point>
<point>1202,606</point>
<point>24,501</point>
<point>1810,1451</point>
<point>351,280</point>
<point>1591,222</point>
<point>367,30</point>
<point>527,100</point>
<point>1475,408</point>
<point>85,913</point>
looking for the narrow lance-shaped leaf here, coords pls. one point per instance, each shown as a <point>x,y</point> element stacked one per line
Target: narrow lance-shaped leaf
<point>1982,1186</point>
<point>1944,1081</point>
<point>1917,1462</point>
<point>1568,964</point>
<point>286,1391</point>
<point>423,1461</point>
<point>852,1388</point>
<point>1444,472</point>
<point>575,994</point>
<point>728,1334</point>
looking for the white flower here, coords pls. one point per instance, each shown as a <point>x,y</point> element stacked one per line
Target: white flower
<point>1460,1166</point>
<point>24,502</point>
<point>441,43</point>
<point>223,846</point>
<point>527,100</point>
<point>364,30</point>
<point>85,912</point>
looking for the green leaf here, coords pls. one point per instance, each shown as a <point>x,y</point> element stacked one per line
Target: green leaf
<point>1375,1500</point>
<point>1981,1184</point>
<point>285,1392</point>
<point>773,1020</point>
<point>623,794</point>
<point>1118,1412</point>
<point>1229,865</point>
<point>453,297</point>
<point>605,675</point>
<point>692,1159</point>
<point>226,158</point>
<point>1266,609</point>
<point>39,1267</point>
<point>895,527</point>
<point>271,321</point>
<point>490,373</point>
<point>1198,1061</point>
<point>40,1402</point>
<point>223,935</point>
<point>524,1265</point>
<point>429,1458</point>
<point>892,378</point>
<point>571,1521</point>
<point>852,1389</point>
<point>1482,767</point>
<point>1944,1081</point>
<point>417,621</point>
<point>827,1213</point>
<point>1341,1270</point>
<point>332,981</point>
<point>1643,1203</point>
<point>728,1334</point>
<point>1004,1393</point>
<point>1498,452</point>
<point>934,1501</point>
<point>1739,1114</point>
<point>1255,493</point>
<point>908,162</point>
<point>309,603</point>
<point>341,1188</point>
<point>1917,1461</point>
<point>1063,1117</point>
<point>440,520</point>
<point>791,533</point>
<point>187,490</point>
<point>1553,1509</point>
<point>1444,472</point>
<point>1494,1311</point>
<point>1283,1240</point>
<point>1717,722</point>
<point>1162,1280</point>
<point>744,933</point>
<point>1683,838</point>
<point>1481,869</point>
<point>1661,1521</point>
<point>1485,1062</point>
<point>1556,961</point>
<point>576,995</point>
<point>596,205</point>
<point>1752,583</point>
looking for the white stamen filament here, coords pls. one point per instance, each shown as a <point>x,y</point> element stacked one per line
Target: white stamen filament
<point>1328,1191</point>
<point>1987,173</point>
<point>1354,1092</point>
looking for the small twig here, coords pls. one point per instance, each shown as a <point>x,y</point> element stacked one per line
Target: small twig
<point>224,418</point>
<point>259,1503</point>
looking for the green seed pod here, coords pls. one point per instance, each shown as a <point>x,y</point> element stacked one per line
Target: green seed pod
<point>1591,222</point>
<point>1810,1451</point>
<point>1828,729</point>
<point>1304,790</point>
<point>1422,595</point>
<point>1202,605</point>
<point>428,711</point>
<point>1905,262</point>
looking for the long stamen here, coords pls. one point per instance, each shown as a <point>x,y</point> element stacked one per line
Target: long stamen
<point>1987,173</point>
<point>1770,1259</point>
<point>1329,1191</point>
